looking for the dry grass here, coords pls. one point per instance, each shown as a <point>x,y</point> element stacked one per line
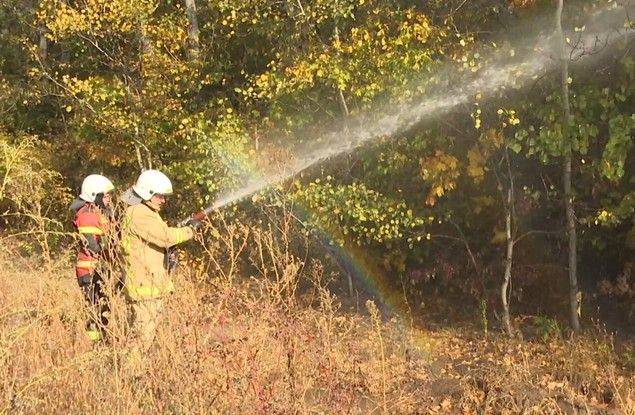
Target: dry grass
<point>497,375</point>
<point>233,344</point>
<point>225,347</point>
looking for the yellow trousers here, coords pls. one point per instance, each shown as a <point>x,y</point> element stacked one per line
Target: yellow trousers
<point>144,318</point>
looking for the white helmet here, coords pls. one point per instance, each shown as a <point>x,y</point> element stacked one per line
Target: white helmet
<point>151,182</point>
<point>93,185</point>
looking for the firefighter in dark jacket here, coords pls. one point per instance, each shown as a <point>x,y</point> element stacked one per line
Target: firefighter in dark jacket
<point>93,222</point>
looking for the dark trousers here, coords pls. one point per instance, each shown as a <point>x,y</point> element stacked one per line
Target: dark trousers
<point>93,288</point>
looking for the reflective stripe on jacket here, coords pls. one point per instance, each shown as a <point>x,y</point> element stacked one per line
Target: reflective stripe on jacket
<point>145,239</point>
<point>92,225</point>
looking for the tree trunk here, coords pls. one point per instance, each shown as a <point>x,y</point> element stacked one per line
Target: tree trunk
<point>146,49</point>
<point>146,45</point>
<point>346,113</point>
<point>508,262</point>
<point>192,29</point>
<point>340,93</point>
<point>510,235</point>
<point>65,54</point>
<point>566,176</point>
<point>43,48</point>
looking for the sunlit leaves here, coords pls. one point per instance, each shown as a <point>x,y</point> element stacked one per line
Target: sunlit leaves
<point>378,53</point>
<point>362,213</point>
<point>476,164</point>
<point>618,147</point>
<point>440,171</point>
<point>93,17</point>
<point>213,155</point>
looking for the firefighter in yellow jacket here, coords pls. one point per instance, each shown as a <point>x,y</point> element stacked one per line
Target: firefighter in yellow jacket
<point>146,240</point>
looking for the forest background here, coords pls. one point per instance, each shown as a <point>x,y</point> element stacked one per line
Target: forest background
<point>461,220</point>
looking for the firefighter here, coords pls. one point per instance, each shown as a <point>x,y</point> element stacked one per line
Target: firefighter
<point>93,221</point>
<point>146,240</point>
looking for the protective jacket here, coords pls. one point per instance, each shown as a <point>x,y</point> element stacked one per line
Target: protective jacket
<point>145,240</point>
<point>92,226</point>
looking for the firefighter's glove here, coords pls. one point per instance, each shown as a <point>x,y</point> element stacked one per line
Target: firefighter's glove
<point>196,220</point>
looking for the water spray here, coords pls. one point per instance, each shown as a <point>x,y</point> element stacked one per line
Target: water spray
<point>499,76</point>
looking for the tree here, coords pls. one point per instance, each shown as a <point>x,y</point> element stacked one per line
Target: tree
<point>574,293</point>
<point>192,28</point>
